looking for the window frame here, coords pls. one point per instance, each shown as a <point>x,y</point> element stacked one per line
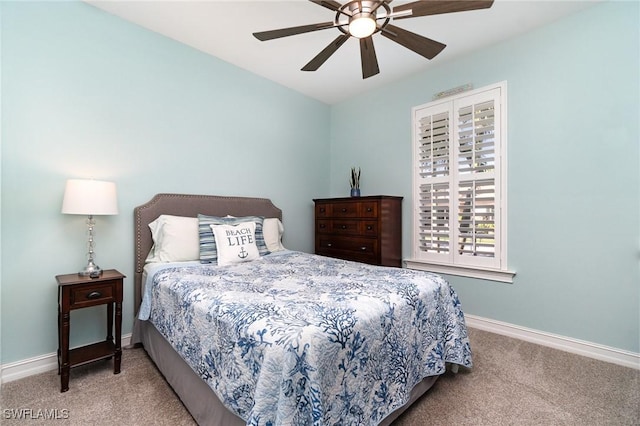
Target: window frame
<point>452,263</point>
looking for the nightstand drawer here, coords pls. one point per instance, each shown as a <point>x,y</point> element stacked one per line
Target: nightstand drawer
<point>91,295</point>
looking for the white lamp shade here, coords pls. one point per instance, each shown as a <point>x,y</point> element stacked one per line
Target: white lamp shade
<point>90,197</point>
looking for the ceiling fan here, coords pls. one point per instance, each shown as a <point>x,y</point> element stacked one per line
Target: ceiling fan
<point>362,19</point>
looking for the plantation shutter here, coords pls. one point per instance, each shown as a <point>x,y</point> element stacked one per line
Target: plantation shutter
<point>477,183</point>
<point>458,180</point>
<point>434,158</point>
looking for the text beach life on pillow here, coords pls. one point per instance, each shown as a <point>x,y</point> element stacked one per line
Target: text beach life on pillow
<point>235,243</point>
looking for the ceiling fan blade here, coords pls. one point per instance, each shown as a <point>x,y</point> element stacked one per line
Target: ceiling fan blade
<point>285,32</point>
<point>321,57</point>
<point>412,41</point>
<point>436,7</point>
<point>368,58</point>
<point>330,4</point>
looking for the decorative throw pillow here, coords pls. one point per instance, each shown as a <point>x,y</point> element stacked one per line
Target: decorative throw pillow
<point>272,230</point>
<point>208,252</point>
<point>235,243</point>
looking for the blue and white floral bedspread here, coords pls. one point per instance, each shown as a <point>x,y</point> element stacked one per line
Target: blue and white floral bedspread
<point>300,339</point>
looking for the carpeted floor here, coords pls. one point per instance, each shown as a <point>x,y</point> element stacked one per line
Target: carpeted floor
<point>512,383</point>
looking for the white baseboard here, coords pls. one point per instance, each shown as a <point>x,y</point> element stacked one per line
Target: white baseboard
<point>567,344</point>
<point>36,365</point>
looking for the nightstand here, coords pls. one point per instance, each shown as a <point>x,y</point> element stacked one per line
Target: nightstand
<point>77,292</point>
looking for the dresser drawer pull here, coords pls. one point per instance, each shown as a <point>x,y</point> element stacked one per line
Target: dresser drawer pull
<point>369,209</point>
<point>369,227</point>
<point>94,295</point>
<point>322,210</point>
<point>323,226</point>
<point>344,210</point>
<point>329,244</point>
<point>363,248</point>
<point>344,227</point>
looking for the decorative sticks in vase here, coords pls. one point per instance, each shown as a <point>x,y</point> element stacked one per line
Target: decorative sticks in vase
<point>355,182</point>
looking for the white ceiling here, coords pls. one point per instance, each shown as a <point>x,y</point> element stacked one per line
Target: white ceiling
<point>224,28</point>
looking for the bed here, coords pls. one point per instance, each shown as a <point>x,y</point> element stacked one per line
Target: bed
<point>296,323</point>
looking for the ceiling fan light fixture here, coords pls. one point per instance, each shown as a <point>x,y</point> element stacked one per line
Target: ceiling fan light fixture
<point>362,19</point>
<point>362,25</point>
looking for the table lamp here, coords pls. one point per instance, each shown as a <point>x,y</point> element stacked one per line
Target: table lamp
<point>90,197</point>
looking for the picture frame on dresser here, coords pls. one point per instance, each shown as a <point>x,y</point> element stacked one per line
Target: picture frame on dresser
<point>363,229</point>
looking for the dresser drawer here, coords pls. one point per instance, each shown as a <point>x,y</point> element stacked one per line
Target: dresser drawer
<point>345,227</point>
<point>355,249</point>
<point>369,228</point>
<point>369,209</point>
<point>323,226</point>
<point>344,209</point>
<point>351,245</point>
<point>90,295</point>
<point>323,210</point>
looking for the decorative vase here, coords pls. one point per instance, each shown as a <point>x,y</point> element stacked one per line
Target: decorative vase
<point>355,192</point>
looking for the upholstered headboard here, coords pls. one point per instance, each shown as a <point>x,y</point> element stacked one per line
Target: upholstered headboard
<point>190,206</point>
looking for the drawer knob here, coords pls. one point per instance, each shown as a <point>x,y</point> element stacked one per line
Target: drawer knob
<point>328,244</point>
<point>369,209</point>
<point>369,227</point>
<point>344,210</point>
<point>363,248</point>
<point>321,209</point>
<point>323,226</point>
<point>94,295</point>
<point>344,226</point>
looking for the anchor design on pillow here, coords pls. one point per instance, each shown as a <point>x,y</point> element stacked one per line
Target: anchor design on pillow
<point>243,253</point>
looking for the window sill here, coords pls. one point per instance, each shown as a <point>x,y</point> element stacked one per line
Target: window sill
<point>462,271</point>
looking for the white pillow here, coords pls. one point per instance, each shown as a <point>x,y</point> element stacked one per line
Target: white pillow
<point>272,230</point>
<point>175,239</point>
<point>236,243</point>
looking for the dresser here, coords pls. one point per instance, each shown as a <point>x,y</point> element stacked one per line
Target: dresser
<point>363,229</point>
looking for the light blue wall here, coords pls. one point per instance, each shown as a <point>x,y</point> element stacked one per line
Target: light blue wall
<point>574,169</point>
<point>86,94</point>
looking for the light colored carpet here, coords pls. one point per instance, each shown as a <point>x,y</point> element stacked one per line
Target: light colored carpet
<point>512,383</point>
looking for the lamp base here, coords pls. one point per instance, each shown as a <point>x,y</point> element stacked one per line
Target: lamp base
<point>91,270</point>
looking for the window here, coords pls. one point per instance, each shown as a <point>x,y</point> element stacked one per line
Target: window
<point>459,185</point>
